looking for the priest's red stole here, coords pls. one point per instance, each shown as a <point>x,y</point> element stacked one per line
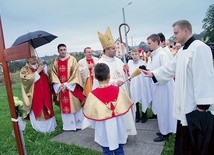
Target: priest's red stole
<point>64,95</point>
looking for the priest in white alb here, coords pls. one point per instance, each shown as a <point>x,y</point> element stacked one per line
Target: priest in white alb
<point>86,67</point>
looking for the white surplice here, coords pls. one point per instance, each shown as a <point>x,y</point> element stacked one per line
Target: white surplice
<point>169,53</point>
<point>194,79</point>
<point>110,139</point>
<point>140,86</point>
<point>162,97</point>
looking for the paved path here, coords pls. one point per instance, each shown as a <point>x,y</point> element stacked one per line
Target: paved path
<point>141,144</point>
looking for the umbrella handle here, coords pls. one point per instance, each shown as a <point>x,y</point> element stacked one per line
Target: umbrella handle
<point>40,61</point>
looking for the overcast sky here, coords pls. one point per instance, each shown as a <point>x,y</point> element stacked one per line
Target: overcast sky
<point>76,22</point>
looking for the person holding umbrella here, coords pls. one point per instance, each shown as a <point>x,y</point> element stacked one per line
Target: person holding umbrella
<point>67,84</point>
<point>37,96</point>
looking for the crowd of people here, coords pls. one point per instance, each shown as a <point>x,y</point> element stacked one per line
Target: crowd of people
<point>175,82</point>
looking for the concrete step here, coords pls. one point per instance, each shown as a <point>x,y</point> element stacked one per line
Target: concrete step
<point>140,144</point>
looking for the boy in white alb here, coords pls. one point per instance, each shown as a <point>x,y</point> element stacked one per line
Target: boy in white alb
<point>117,73</point>
<point>105,107</point>
<point>139,87</point>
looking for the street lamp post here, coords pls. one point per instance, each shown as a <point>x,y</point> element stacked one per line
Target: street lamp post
<point>132,41</point>
<point>124,20</point>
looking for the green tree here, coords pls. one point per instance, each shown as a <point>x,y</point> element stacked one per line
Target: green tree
<point>78,55</point>
<point>208,25</point>
<point>144,46</point>
<point>16,65</point>
<point>199,36</point>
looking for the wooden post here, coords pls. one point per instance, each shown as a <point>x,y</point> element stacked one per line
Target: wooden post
<point>8,55</point>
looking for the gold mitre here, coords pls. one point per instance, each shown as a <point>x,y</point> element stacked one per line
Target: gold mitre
<point>106,39</point>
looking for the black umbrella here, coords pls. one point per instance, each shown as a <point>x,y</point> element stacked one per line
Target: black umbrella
<point>201,128</point>
<point>36,38</point>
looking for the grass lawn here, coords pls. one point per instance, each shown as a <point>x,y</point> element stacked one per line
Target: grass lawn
<point>38,143</point>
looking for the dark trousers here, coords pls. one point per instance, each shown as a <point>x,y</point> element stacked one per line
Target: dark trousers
<point>118,151</point>
<point>183,143</point>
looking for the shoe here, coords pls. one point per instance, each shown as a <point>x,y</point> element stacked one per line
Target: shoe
<point>160,138</point>
<point>71,130</point>
<point>137,117</point>
<point>158,133</point>
<point>144,117</point>
<point>153,117</point>
<point>68,130</point>
<point>78,129</point>
<point>143,120</point>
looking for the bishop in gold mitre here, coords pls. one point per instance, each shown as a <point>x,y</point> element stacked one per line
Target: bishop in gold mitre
<point>117,74</point>
<point>106,39</point>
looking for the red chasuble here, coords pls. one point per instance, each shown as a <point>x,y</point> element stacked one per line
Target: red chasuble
<point>41,102</point>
